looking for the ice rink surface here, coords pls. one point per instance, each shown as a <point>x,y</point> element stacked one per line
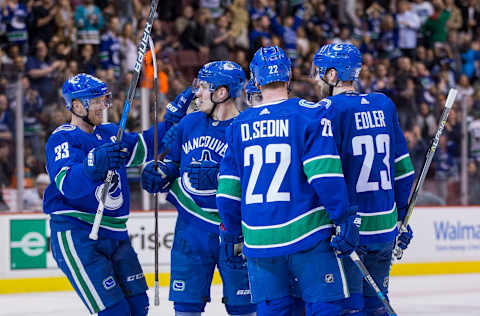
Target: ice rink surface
<point>445,295</point>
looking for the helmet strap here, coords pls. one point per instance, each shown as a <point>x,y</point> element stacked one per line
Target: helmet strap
<point>83,117</point>
<point>216,103</point>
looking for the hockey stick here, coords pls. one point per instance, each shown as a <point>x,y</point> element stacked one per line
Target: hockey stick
<point>368,277</point>
<point>398,252</point>
<point>155,164</point>
<point>141,49</point>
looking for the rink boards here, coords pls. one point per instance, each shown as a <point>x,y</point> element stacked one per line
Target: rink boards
<point>446,240</point>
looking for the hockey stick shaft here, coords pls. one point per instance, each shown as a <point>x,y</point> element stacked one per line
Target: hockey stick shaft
<point>155,164</point>
<point>368,277</point>
<point>398,252</point>
<point>141,50</point>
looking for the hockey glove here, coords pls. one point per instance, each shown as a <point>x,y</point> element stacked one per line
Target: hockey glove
<point>110,156</point>
<point>347,235</point>
<point>231,249</point>
<point>159,180</point>
<point>203,174</point>
<point>177,109</point>
<point>404,238</point>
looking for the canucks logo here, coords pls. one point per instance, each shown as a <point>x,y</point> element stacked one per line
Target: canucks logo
<point>114,196</point>
<point>206,156</point>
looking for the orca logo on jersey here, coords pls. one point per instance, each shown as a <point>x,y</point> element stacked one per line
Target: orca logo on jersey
<point>308,104</point>
<point>206,156</point>
<point>114,197</point>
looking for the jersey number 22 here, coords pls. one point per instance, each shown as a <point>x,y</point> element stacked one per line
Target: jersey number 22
<point>256,153</point>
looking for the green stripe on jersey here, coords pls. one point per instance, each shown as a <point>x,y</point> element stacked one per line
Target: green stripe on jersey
<point>287,233</point>
<point>60,177</point>
<point>189,205</point>
<point>229,186</point>
<point>78,275</point>
<point>108,222</point>
<point>403,166</point>
<point>139,154</point>
<point>328,165</point>
<point>378,223</point>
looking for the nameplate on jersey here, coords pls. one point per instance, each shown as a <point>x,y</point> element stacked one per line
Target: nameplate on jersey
<point>264,128</point>
<point>369,119</point>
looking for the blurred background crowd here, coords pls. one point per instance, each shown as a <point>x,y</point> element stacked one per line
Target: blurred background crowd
<point>414,52</point>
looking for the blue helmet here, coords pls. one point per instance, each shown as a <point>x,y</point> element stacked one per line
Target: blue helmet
<point>345,58</point>
<point>84,87</point>
<point>252,92</point>
<point>270,64</point>
<point>222,73</point>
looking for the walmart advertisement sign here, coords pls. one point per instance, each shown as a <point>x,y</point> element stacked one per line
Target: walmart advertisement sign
<point>445,234</point>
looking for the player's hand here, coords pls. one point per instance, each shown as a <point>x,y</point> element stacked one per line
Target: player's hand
<point>159,180</point>
<point>177,109</point>
<point>404,238</point>
<point>110,156</point>
<point>231,247</point>
<point>346,238</point>
<point>203,174</point>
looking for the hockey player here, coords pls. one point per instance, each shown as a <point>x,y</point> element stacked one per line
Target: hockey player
<point>376,164</point>
<point>280,192</point>
<point>253,95</point>
<point>189,172</point>
<point>105,273</point>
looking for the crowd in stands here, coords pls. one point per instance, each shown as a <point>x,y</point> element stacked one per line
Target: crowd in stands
<point>412,51</point>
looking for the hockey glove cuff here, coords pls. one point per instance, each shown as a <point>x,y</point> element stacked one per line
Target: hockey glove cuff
<point>177,109</point>
<point>110,156</point>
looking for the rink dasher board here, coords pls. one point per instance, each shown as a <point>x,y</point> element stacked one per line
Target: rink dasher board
<point>446,240</point>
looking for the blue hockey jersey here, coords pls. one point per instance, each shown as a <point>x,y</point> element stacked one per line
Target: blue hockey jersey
<point>199,137</point>
<point>281,182</point>
<point>72,196</point>
<point>375,160</point>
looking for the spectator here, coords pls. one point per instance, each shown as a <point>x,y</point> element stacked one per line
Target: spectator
<point>424,9</point>
<point>17,16</point>
<point>41,72</point>
<point>128,48</point>
<point>408,23</point>
<point>6,120</point>
<point>455,22</point>
<point>240,20</point>
<point>221,40</point>
<point>435,28</point>
<point>346,13</point>
<point>65,22</point>
<point>44,12</point>
<point>426,121</point>
<point>110,48</point>
<point>88,61</point>
<point>88,20</point>
<point>33,198</point>
<point>417,149</point>
<point>183,21</point>
<point>195,35</point>
<point>287,31</point>
<point>444,168</point>
<point>32,109</point>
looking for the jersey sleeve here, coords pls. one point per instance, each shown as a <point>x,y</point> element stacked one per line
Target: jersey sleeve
<point>323,168</point>
<point>229,192</point>
<point>65,167</point>
<point>403,170</point>
<point>175,149</point>
<point>141,145</point>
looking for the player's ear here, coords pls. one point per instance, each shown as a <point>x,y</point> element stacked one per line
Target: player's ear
<point>331,75</point>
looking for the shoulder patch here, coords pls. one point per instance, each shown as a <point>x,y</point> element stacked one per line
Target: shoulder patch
<point>325,103</point>
<point>308,104</point>
<point>65,128</point>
